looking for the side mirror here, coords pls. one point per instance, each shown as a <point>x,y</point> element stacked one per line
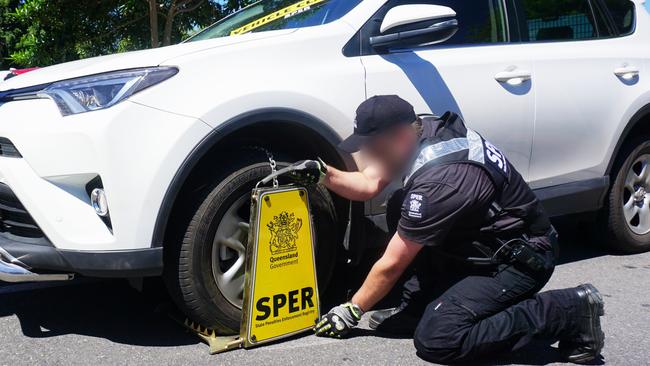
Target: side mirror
<point>408,26</point>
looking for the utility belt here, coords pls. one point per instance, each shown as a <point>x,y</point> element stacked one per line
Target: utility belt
<point>519,250</point>
<point>513,251</point>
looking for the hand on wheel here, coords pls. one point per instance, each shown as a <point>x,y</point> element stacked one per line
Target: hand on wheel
<point>339,321</point>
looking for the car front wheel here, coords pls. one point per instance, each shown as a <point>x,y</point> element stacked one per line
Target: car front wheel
<point>205,271</point>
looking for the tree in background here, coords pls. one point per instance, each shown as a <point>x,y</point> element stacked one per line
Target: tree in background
<point>45,32</point>
<point>10,30</point>
<point>172,13</point>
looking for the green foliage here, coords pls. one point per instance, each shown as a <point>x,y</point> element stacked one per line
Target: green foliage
<point>9,32</point>
<point>46,32</point>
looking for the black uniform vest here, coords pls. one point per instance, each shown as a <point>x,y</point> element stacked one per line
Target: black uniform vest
<point>516,209</point>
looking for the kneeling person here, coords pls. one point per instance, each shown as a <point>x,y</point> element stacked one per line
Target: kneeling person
<point>481,244</point>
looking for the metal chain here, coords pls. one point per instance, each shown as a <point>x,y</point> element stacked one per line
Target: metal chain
<point>273,168</point>
<point>272,162</point>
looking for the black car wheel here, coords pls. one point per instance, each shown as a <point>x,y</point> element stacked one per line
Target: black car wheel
<point>628,211</point>
<point>205,270</point>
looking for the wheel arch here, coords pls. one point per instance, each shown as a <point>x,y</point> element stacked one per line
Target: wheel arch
<point>639,123</point>
<point>273,128</point>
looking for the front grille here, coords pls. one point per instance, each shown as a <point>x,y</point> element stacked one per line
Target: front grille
<point>15,221</point>
<point>7,148</point>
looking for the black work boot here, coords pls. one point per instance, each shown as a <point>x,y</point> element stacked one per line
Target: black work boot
<point>589,341</point>
<point>400,321</point>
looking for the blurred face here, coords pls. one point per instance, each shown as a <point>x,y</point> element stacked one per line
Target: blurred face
<point>393,149</point>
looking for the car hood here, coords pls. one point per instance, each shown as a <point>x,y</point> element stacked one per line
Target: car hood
<point>127,60</point>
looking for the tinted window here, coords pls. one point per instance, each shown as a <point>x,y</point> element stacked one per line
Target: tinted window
<point>557,20</point>
<point>622,12</point>
<point>479,21</point>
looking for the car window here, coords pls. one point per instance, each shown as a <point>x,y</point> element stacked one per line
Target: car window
<point>557,20</point>
<point>605,28</point>
<point>479,21</point>
<point>267,15</point>
<point>622,12</point>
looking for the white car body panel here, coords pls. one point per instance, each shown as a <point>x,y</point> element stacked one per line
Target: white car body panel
<point>437,80</point>
<point>577,92</point>
<point>299,73</point>
<point>50,168</point>
<point>139,145</point>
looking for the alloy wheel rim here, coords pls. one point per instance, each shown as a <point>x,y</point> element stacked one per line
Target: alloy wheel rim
<point>229,251</point>
<point>636,198</point>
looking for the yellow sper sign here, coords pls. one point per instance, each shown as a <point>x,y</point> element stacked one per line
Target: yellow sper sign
<point>282,293</point>
<point>287,12</point>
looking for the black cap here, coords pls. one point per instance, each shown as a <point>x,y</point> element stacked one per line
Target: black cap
<point>376,116</point>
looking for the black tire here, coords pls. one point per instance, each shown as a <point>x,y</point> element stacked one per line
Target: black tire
<point>622,235</point>
<point>188,268</point>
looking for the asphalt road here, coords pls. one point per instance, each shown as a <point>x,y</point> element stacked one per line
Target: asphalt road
<point>107,322</point>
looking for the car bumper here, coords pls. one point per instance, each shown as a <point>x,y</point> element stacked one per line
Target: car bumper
<point>133,149</point>
<point>45,259</point>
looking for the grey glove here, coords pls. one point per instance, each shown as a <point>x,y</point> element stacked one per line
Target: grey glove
<point>338,322</point>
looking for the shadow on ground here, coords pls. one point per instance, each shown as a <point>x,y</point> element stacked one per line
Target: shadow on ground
<point>579,240</point>
<point>104,309</point>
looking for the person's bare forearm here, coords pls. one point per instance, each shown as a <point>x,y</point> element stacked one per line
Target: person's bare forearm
<point>355,186</point>
<point>380,281</point>
<point>384,274</point>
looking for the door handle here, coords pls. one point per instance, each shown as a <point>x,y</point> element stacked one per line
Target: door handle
<point>513,76</point>
<point>626,72</point>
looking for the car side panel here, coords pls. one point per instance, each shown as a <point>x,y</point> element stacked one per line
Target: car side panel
<point>306,72</point>
<point>136,150</point>
<point>582,107</point>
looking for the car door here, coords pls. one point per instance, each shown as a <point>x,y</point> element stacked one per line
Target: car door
<point>587,76</point>
<point>476,73</point>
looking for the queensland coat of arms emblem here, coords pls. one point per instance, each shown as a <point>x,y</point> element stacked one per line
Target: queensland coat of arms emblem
<point>284,233</point>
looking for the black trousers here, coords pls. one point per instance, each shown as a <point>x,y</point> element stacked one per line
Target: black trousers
<point>474,313</point>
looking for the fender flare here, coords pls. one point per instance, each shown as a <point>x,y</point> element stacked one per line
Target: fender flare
<point>633,123</point>
<point>222,132</point>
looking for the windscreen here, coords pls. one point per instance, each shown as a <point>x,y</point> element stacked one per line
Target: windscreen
<point>269,15</point>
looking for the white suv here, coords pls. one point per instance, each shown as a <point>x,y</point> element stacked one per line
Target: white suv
<point>141,164</point>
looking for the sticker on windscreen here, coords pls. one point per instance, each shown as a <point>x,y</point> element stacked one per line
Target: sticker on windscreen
<point>285,13</point>
<point>647,6</point>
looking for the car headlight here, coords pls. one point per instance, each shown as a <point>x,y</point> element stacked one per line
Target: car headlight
<point>95,92</point>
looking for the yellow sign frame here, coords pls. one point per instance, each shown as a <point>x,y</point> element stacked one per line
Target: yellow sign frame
<point>274,203</point>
